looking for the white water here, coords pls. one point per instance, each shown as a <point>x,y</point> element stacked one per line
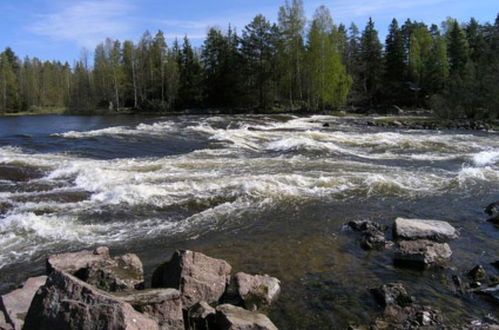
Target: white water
<point>256,164</point>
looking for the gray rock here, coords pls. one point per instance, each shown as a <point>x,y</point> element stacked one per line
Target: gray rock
<point>393,294</point>
<point>414,229</point>
<point>200,316</point>
<point>162,305</point>
<point>15,305</point>
<point>230,317</point>
<point>197,276</point>
<point>98,268</point>
<point>373,236</point>
<point>66,302</point>
<point>257,291</point>
<point>422,254</point>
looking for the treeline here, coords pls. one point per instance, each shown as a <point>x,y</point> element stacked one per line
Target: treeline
<point>290,65</point>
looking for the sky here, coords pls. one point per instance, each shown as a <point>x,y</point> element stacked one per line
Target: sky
<point>60,29</point>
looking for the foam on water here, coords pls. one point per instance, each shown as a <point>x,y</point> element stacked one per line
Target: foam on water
<point>257,163</point>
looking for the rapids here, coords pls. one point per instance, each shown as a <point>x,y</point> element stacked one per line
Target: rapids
<point>265,192</point>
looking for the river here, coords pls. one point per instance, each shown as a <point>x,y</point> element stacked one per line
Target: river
<point>267,193</point>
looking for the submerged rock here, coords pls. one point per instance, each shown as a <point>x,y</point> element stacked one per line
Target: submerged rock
<point>99,269</point>
<point>18,173</point>
<point>401,311</point>
<point>197,276</point>
<point>393,294</point>
<point>416,229</point>
<point>5,207</point>
<point>15,305</point>
<point>257,291</point>
<point>492,209</point>
<point>492,292</point>
<point>200,316</point>
<point>66,302</point>
<point>230,317</point>
<point>422,254</point>
<point>162,305</point>
<point>478,273</point>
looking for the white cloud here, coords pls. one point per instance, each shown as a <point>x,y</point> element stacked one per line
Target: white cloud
<point>86,23</point>
<point>361,8</point>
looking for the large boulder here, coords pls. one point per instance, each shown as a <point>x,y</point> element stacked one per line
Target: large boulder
<point>415,229</point>
<point>162,305</point>
<point>229,317</point>
<point>66,302</point>
<point>257,291</point>
<point>197,276</point>
<point>15,305</point>
<point>200,316</point>
<point>422,254</point>
<point>98,268</point>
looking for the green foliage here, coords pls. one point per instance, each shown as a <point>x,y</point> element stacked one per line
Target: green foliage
<point>285,66</point>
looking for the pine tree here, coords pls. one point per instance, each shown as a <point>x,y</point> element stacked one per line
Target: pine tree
<point>395,65</point>
<point>371,63</point>
<point>258,48</point>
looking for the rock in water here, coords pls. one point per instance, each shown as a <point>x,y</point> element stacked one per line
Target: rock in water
<point>393,294</point>
<point>257,291</point>
<point>422,254</point>
<point>15,304</point>
<point>66,302</point>
<point>197,276</point>
<point>414,229</point>
<point>492,209</point>
<point>98,268</point>
<point>478,273</point>
<point>230,317</point>
<point>200,316</point>
<point>401,311</point>
<point>162,305</point>
<point>373,236</point>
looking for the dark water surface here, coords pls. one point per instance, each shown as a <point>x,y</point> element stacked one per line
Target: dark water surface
<point>268,193</point>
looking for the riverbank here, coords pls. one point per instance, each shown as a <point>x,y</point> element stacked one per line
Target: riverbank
<point>38,112</point>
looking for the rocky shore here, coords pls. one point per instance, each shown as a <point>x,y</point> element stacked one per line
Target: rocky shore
<point>92,290</point>
<point>432,124</point>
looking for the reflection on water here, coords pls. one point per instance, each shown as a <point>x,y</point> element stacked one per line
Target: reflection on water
<point>266,192</point>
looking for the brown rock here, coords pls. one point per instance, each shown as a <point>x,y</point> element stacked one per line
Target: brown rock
<point>18,173</point>
<point>162,305</point>
<point>197,276</point>
<point>257,291</point>
<point>229,317</point>
<point>422,254</point>
<point>15,304</point>
<point>99,269</point>
<point>66,302</point>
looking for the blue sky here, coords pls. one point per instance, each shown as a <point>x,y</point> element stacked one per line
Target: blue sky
<point>59,29</point>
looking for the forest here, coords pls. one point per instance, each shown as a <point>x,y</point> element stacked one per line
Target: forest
<point>294,64</point>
